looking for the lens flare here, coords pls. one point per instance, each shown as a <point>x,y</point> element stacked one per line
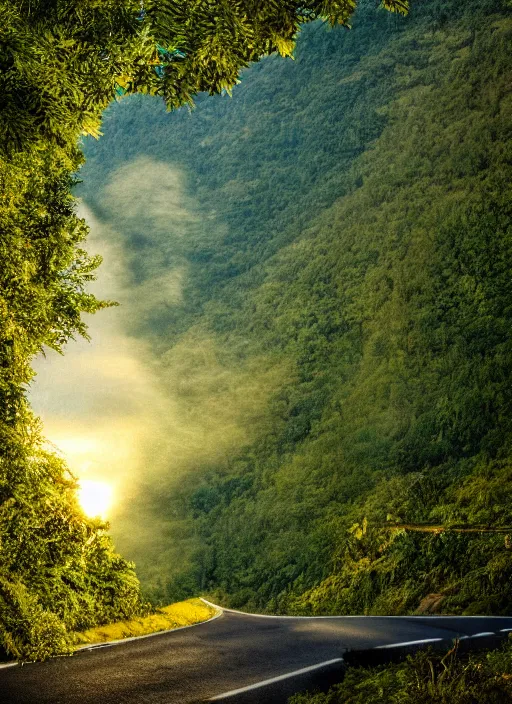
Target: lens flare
<point>95,498</point>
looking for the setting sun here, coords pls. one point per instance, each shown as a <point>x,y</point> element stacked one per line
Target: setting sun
<point>95,497</point>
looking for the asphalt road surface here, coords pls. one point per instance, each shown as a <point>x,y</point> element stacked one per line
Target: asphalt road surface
<point>227,653</point>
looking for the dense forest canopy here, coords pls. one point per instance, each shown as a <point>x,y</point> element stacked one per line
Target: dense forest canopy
<point>346,286</point>
<point>61,63</point>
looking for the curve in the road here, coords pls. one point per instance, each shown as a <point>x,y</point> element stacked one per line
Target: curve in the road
<point>218,656</point>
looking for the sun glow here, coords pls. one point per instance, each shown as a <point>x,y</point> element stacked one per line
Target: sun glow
<point>95,497</point>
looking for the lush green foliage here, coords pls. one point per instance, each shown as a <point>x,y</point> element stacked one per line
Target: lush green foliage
<point>57,569</point>
<point>62,61</point>
<point>184,613</point>
<point>352,233</point>
<point>426,678</point>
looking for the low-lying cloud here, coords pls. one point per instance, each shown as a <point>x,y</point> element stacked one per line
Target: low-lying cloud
<point>122,412</point>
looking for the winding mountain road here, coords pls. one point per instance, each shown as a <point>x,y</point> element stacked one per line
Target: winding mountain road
<point>232,651</point>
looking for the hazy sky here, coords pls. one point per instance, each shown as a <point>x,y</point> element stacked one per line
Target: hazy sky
<point>101,401</point>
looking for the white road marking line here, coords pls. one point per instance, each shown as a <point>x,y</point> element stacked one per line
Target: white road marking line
<point>409,642</point>
<point>433,640</point>
<point>8,664</point>
<point>397,618</point>
<point>264,683</point>
<point>484,633</point>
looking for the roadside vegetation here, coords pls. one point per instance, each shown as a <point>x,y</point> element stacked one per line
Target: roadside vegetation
<point>183,613</point>
<point>166,618</point>
<point>426,678</point>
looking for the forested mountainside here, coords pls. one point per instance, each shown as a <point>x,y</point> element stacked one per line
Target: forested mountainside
<point>342,243</point>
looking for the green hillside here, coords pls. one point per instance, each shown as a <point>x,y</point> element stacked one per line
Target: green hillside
<point>339,233</point>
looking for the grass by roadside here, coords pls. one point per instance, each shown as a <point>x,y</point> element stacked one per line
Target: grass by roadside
<point>183,613</point>
<point>427,677</point>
